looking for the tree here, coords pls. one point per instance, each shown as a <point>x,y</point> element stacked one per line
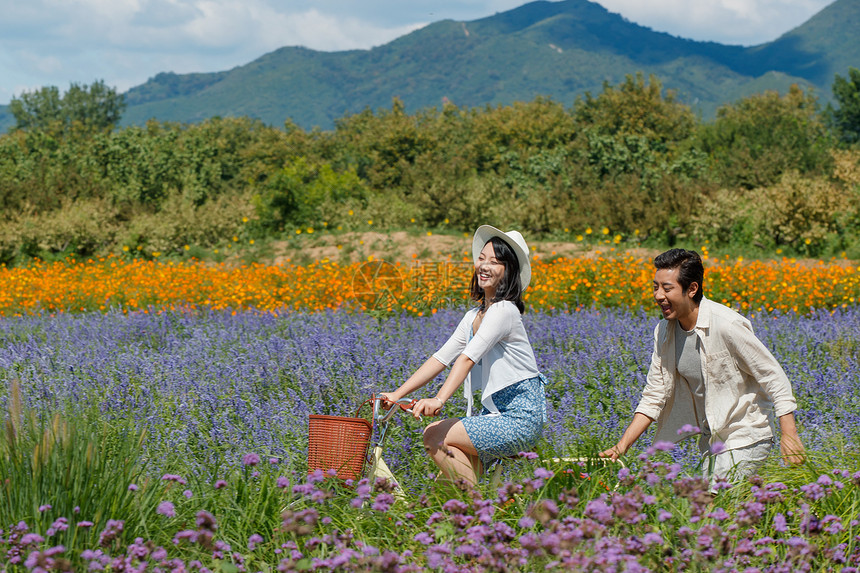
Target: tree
<point>92,108</point>
<point>846,119</point>
<point>754,141</point>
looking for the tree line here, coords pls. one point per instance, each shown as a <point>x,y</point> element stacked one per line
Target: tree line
<point>772,171</point>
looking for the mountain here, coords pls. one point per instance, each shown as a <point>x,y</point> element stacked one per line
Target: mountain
<point>557,49</point>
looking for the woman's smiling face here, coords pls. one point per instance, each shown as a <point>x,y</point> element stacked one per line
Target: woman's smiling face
<point>489,270</point>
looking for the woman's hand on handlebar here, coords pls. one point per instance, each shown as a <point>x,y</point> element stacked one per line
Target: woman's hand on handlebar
<point>387,399</point>
<point>427,407</point>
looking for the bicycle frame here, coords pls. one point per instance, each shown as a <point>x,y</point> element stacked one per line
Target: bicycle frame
<point>378,467</point>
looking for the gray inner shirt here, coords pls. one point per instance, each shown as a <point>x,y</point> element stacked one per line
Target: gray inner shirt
<point>689,364</point>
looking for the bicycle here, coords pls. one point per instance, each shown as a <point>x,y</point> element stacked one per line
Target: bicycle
<point>565,467</point>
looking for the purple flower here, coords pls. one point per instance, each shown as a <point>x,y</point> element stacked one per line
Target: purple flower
<point>718,448</point>
<point>44,508</point>
<point>187,493</point>
<point>85,524</point>
<point>779,523</point>
<point>528,455</point>
<point>166,508</point>
<point>175,478</point>
<point>250,460</point>
<point>526,522</point>
<point>254,540</point>
<point>273,461</point>
<point>543,473</point>
<point>220,484</point>
<point>597,510</point>
<point>689,428</point>
<point>132,487</point>
<point>283,482</point>
<point>159,554</point>
<point>29,538</point>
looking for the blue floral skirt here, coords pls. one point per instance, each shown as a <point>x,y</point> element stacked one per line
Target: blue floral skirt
<point>518,425</point>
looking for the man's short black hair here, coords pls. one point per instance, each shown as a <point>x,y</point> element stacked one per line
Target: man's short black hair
<point>690,268</point>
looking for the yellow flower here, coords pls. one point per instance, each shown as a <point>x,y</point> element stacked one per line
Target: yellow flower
<point>187,248</point>
<point>215,251</point>
<point>325,223</point>
<point>125,248</point>
<point>579,237</point>
<point>429,233</point>
<point>251,242</point>
<point>807,241</point>
<point>140,247</point>
<point>370,221</point>
<point>350,213</point>
<point>779,251</point>
<point>155,254</point>
<point>446,220</point>
<point>605,230</point>
<point>412,220</point>
<point>588,231</point>
<point>235,238</point>
<point>244,219</point>
<point>617,239</point>
<point>636,232</point>
<point>310,230</point>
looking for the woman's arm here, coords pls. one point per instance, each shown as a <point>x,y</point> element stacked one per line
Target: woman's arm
<point>425,373</point>
<point>431,406</point>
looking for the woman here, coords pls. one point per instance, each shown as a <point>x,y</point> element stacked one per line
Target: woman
<point>489,348</point>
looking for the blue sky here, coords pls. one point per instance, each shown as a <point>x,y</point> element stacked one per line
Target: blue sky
<point>125,42</point>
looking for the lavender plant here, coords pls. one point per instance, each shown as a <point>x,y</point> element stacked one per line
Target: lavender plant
<point>219,480</point>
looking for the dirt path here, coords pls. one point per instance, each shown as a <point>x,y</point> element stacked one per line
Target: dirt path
<point>405,247</point>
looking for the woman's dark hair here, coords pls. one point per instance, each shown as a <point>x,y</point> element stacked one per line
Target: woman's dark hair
<point>510,288</point>
<point>690,268</point>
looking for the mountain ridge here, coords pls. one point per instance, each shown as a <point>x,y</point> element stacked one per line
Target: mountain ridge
<point>558,49</point>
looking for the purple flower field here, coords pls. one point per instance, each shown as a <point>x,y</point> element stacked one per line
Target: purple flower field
<point>213,386</point>
<point>224,400</point>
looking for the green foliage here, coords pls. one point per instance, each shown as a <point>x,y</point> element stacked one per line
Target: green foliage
<point>87,108</point>
<point>72,467</point>
<point>632,159</point>
<point>846,118</point>
<point>754,141</point>
<point>298,192</point>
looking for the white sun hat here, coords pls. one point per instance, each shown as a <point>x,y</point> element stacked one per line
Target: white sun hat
<point>514,240</point>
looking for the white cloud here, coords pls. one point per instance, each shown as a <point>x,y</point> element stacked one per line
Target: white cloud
<point>745,22</point>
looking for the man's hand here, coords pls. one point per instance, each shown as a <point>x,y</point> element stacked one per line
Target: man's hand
<point>613,453</point>
<point>790,446</point>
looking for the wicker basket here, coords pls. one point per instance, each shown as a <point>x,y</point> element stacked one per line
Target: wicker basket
<point>339,443</point>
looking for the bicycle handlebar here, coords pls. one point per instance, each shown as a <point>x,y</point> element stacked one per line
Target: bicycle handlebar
<point>404,403</point>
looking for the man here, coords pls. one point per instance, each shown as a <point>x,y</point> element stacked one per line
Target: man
<point>710,373</point>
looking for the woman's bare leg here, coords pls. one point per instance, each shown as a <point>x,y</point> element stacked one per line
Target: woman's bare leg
<point>449,445</point>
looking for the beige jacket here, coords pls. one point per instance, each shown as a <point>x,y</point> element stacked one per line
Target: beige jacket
<point>744,385</point>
